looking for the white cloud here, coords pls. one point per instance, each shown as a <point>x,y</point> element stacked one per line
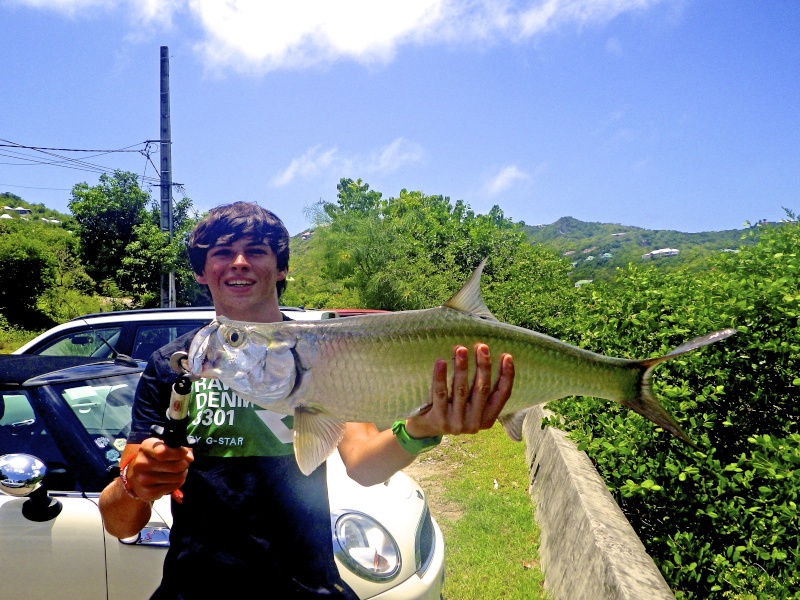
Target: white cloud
<point>549,14</point>
<point>279,35</point>
<point>390,158</point>
<point>506,178</point>
<point>316,162</point>
<point>308,165</point>
<point>260,36</point>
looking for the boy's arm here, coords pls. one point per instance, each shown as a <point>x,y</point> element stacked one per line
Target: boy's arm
<point>152,470</point>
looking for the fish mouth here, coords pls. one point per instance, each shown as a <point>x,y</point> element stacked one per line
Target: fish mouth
<point>196,360</point>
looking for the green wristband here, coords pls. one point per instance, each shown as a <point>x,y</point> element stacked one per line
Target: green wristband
<point>413,445</point>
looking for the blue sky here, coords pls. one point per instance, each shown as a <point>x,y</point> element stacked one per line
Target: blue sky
<point>663,114</point>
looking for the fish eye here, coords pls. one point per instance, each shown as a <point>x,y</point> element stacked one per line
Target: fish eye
<point>235,337</point>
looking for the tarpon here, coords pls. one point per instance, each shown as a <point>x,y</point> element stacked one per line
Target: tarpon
<point>377,368</point>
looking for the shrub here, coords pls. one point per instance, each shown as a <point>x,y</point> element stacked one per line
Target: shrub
<point>12,337</point>
<point>720,521</point>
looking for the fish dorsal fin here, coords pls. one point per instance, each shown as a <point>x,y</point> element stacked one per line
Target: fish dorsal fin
<point>316,435</point>
<point>468,299</point>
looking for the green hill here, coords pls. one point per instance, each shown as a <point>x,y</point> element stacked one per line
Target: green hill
<point>597,249</point>
<point>10,203</point>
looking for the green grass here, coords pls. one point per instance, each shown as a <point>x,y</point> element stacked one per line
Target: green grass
<point>12,338</point>
<point>491,538</point>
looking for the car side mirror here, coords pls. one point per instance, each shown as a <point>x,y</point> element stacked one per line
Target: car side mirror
<point>23,475</point>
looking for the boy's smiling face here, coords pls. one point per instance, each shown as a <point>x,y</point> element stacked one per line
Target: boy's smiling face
<point>241,276</point>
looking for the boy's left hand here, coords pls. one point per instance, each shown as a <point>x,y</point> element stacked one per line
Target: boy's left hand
<point>464,408</point>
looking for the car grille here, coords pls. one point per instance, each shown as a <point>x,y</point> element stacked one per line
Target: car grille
<point>425,542</point>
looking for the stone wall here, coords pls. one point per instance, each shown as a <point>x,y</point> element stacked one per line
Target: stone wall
<point>588,549</point>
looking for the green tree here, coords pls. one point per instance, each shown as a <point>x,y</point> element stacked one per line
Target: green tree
<point>305,284</point>
<point>532,289</point>
<point>72,292</point>
<point>354,196</point>
<point>107,216</point>
<point>151,254</point>
<point>60,297</point>
<point>416,250</point>
<point>27,269</point>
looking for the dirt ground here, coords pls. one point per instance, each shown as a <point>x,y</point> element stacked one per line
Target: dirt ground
<point>430,470</point>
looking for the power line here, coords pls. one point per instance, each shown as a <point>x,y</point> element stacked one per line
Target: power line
<point>60,160</point>
<point>11,144</point>
<point>46,156</point>
<point>30,187</point>
<point>55,161</point>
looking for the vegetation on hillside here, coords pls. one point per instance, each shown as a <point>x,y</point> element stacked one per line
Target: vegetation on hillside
<point>721,520</point>
<point>109,253</point>
<point>414,251</point>
<point>39,212</point>
<point>597,250</point>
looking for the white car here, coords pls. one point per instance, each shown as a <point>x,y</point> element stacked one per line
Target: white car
<point>135,333</point>
<point>63,425</point>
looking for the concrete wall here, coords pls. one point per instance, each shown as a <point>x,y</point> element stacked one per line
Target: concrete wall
<point>588,549</point>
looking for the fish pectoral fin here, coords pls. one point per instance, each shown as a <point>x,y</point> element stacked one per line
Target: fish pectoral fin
<point>316,435</point>
<point>512,423</point>
<point>469,300</point>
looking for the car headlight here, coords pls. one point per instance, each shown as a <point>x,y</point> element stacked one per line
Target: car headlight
<point>365,547</point>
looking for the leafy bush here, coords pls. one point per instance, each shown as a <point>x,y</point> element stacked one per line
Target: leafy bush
<point>415,251</point>
<point>720,521</point>
<point>63,304</point>
<point>12,337</point>
<point>27,268</point>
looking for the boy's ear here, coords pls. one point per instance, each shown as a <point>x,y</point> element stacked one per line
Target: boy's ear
<point>281,275</point>
<point>201,279</point>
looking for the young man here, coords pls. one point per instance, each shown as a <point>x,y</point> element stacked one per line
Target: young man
<point>249,519</point>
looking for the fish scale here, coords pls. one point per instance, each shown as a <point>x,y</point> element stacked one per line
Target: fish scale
<point>378,368</point>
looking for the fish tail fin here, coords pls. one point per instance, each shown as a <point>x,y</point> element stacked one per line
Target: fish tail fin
<point>646,403</point>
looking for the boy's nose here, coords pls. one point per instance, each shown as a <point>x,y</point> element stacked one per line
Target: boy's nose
<point>239,260</point>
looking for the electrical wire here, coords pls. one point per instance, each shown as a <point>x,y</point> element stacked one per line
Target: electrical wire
<point>60,160</point>
<point>9,143</point>
<point>48,156</point>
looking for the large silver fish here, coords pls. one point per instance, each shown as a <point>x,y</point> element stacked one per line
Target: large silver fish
<point>377,368</point>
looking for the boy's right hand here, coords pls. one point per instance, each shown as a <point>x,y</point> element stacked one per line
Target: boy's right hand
<point>157,470</point>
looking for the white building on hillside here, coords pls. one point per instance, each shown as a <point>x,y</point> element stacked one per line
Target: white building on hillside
<point>661,252</point>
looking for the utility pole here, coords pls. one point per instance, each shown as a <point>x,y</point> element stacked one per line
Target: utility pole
<point>167,279</point>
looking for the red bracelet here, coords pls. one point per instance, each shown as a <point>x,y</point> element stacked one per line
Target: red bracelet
<point>123,477</point>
